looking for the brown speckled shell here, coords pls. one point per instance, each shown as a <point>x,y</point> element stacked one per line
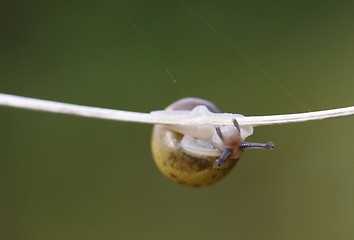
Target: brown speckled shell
<point>177,165</point>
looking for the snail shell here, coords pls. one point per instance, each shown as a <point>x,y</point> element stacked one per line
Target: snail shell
<point>191,160</point>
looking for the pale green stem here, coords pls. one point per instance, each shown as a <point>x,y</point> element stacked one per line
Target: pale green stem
<point>167,117</point>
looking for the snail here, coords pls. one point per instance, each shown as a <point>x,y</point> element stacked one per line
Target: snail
<point>200,155</point>
<point>187,145</point>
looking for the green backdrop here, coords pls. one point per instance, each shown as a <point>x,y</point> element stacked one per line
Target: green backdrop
<point>64,177</point>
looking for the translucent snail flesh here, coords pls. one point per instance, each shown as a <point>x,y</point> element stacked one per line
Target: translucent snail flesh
<point>199,155</point>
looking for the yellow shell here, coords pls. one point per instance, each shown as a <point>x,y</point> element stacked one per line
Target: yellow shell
<point>181,167</point>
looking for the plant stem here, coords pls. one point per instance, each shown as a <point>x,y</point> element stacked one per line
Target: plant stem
<point>167,117</point>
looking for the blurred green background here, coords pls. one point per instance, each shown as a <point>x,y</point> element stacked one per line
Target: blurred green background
<point>64,177</point>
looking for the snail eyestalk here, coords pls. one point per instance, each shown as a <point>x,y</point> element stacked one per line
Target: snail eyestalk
<point>225,154</point>
<point>246,145</point>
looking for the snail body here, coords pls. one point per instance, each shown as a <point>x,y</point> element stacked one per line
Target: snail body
<point>198,155</point>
